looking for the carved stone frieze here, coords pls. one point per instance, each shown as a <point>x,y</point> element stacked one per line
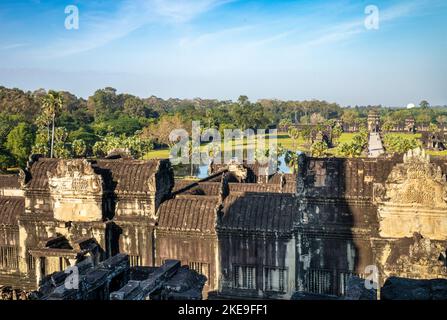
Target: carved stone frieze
<point>76,191</point>
<point>413,199</point>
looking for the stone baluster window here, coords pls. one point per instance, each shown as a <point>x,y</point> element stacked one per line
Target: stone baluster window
<point>200,267</point>
<point>275,279</point>
<point>244,277</point>
<point>8,258</point>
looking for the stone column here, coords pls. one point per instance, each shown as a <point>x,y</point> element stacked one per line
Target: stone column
<point>39,275</point>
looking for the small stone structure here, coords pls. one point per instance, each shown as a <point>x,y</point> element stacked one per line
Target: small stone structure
<point>410,125</point>
<point>373,121</point>
<point>114,279</point>
<point>434,140</point>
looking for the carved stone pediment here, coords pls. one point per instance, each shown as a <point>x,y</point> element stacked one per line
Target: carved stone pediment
<point>416,181</point>
<point>76,191</point>
<point>413,198</point>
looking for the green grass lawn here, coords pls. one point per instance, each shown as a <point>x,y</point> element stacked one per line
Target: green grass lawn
<point>437,153</point>
<point>157,154</point>
<point>405,134</point>
<point>282,139</point>
<point>346,137</point>
<point>288,143</point>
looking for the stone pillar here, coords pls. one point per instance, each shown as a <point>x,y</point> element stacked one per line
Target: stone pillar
<point>39,275</point>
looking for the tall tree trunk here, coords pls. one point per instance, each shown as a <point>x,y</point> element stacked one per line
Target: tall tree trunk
<point>52,138</point>
<point>48,138</point>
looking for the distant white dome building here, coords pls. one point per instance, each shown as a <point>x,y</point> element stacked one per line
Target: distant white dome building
<point>410,106</point>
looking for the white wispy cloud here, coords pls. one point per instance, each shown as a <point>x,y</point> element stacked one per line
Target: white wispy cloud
<point>208,37</point>
<point>180,11</point>
<point>13,46</point>
<point>300,37</point>
<point>326,34</point>
<point>98,29</point>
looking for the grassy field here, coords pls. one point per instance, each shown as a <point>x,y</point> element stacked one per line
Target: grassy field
<point>282,139</point>
<point>437,153</point>
<point>288,143</point>
<point>157,154</point>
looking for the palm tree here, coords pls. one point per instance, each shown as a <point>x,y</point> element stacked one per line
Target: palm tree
<point>291,159</point>
<point>51,105</point>
<point>294,133</point>
<point>193,152</point>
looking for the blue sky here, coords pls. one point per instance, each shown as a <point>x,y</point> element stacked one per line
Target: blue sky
<point>225,48</point>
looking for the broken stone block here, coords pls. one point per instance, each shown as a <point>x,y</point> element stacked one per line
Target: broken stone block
<point>412,289</point>
<point>356,290</point>
<point>130,291</point>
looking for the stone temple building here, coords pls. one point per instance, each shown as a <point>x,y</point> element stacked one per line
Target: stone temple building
<point>251,236</point>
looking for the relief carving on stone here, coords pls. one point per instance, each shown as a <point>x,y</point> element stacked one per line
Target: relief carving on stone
<point>76,191</point>
<point>379,193</point>
<point>422,259</point>
<point>416,182</point>
<point>413,199</point>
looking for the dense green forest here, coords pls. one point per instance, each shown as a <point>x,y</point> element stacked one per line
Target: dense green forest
<point>108,120</point>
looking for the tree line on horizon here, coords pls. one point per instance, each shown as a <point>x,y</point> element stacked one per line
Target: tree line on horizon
<point>63,125</point>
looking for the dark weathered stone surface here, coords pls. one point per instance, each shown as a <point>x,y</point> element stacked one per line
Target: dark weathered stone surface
<point>356,290</point>
<point>313,296</point>
<point>412,289</point>
<point>170,281</point>
<point>251,235</point>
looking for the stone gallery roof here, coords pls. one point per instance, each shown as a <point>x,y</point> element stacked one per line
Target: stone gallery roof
<point>128,175</point>
<point>196,187</point>
<point>259,212</point>
<point>38,173</point>
<point>9,181</point>
<point>10,208</point>
<point>188,213</point>
<point>212,186</point>
<point>262,187</point>
<point>120,175</point>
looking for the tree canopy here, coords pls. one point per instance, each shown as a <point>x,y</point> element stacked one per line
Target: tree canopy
<point>86,127</point>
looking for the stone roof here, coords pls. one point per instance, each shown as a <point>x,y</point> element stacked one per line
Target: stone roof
<point>254,187</point>
<point>188,213</point>
<point>38,173</point>
<point>213,188</point>
<point>10,209</point>
<point>120,175</point>
<point>266,212</point>
<point>9,181</point>
<point>290,179</point>
<point>129,175</point>
<point>197,188</point>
